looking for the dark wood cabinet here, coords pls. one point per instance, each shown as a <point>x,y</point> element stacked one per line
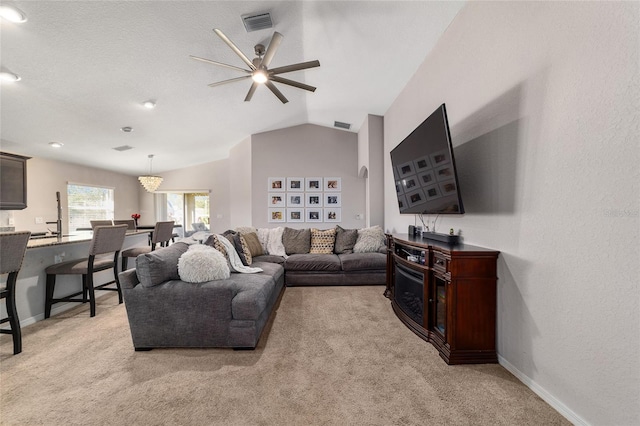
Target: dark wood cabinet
<point>13,181</point>
<point>446,295</point>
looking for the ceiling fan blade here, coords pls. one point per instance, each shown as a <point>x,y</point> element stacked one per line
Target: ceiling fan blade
<point>234,48</point>
<point>252,90</point>
<point>209,61</point>
<point>295,67</point>
<point>231,80</point>
<point>271,50</point>
<point>293,83</point>
<point>276,92</point>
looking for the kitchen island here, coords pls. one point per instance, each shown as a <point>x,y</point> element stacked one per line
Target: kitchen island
<point>45,251</point>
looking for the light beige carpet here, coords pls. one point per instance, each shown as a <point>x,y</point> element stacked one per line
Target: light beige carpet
<point>330,356</point>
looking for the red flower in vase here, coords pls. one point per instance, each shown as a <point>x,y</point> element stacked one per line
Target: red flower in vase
<point>135,216</point>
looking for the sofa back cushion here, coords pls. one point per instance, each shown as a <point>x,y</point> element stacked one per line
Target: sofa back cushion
<point>160,265</point>
<point>345,240</point>
<point>254,244</point>
<point>322,241</point>
<point>296,241</point>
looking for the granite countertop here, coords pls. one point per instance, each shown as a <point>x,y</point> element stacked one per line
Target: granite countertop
<point>76,237</point>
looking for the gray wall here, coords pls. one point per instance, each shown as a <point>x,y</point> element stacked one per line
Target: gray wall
<point>307,151</point>
<point>542,99</point>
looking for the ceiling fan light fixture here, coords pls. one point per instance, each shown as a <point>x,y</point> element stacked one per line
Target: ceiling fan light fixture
<point>149,104</point>
<point>259,76</point>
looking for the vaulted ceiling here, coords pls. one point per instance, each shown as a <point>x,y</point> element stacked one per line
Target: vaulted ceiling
<point>86,67</point>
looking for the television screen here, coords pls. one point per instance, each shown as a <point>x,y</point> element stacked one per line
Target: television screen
<point>424,169</point>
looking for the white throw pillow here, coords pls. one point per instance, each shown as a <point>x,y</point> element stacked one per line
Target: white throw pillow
<point>202,263</point>
<point>275,246</point>
<point>369,240</point>
<point>263,237</point>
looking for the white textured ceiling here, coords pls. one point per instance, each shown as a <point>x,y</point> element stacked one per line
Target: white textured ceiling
<point>87,66</point>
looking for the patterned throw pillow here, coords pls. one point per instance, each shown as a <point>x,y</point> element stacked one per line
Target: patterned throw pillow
<point>370,240</point>
<point>243,249</point>
<point>214,242</point>
<point>322,241</point>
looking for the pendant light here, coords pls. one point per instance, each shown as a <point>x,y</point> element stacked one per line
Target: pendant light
<point>150,182</point>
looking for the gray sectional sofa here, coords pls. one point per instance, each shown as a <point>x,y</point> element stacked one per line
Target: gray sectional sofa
<point>164,311</point>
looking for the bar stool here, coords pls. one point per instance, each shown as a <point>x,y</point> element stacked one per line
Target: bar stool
<point>95,223</point>
<point>13,246</point>
<point>106,239</point>
<point>162,233</point>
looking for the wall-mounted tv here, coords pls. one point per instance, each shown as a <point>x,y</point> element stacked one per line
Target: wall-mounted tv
<point>424,169</point>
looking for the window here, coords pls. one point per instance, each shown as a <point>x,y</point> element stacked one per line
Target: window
<point>87,203</point>
<point>184,208</point>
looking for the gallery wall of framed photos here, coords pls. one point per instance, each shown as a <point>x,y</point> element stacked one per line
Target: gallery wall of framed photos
<point>304,199</point>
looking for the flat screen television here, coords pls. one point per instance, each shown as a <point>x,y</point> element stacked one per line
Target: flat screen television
<point>424,169</point>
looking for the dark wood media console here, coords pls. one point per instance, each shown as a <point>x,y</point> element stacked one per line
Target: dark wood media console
<point>446,295</point>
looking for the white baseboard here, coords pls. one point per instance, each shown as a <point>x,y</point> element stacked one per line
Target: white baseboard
<point>58,308</point>
<point>544,394</point>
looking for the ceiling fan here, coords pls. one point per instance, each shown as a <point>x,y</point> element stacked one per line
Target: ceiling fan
<point>258,68</point>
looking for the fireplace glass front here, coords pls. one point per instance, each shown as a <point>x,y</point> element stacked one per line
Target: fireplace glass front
<point>409,292</point>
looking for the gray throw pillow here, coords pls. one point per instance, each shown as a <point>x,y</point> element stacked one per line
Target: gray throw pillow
<point>296,241</point>
<point>160,265</point>
<point>345,240</point>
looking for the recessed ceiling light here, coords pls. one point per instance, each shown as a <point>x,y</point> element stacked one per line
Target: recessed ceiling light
<point>56,144</point>
<point>127,129</point>
<point>12,14</point>
<point>9,76</point>
<point>149,104</point>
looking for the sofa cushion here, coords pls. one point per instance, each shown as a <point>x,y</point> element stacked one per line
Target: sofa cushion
<point>253,243</point>
<point>202,263</point>
<point>322,241</point>
<point>269,258</point>
<point>160,265</point>
<point>243,249</point>
<point>369,240</point>
<point>313,262</point>
<point>296,241</point>
<point>345,240</point>
<point>363,261</point>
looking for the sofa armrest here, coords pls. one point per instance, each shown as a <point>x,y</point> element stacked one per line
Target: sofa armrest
<point>128,278</point>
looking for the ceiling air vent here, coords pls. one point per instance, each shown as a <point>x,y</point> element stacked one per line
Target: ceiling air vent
<point>255,22</point>
<point>341,125</point>
<point>123,148</point>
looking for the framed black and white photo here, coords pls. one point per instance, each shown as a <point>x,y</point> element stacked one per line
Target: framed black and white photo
<point>295,184</point>
<point>313,200</point>
<point>448,187</point>
<point>313,184</point>
<point>333,184</point>
<point>410,183</point>
<point>406,169</point>
<point>295,199</point>
<point>427,178</point>
<point>444,173</point>
<point>432,192</point>
<point>276,215</point>
<point>422,164</point>
<point>276,199</point>
<point>439,158</point>
<point>332,199</point>
<point>332,215</point>
<point>416,197</point>
<point>276,184</point>
<point>295,215</point>
<point>313,215</point>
